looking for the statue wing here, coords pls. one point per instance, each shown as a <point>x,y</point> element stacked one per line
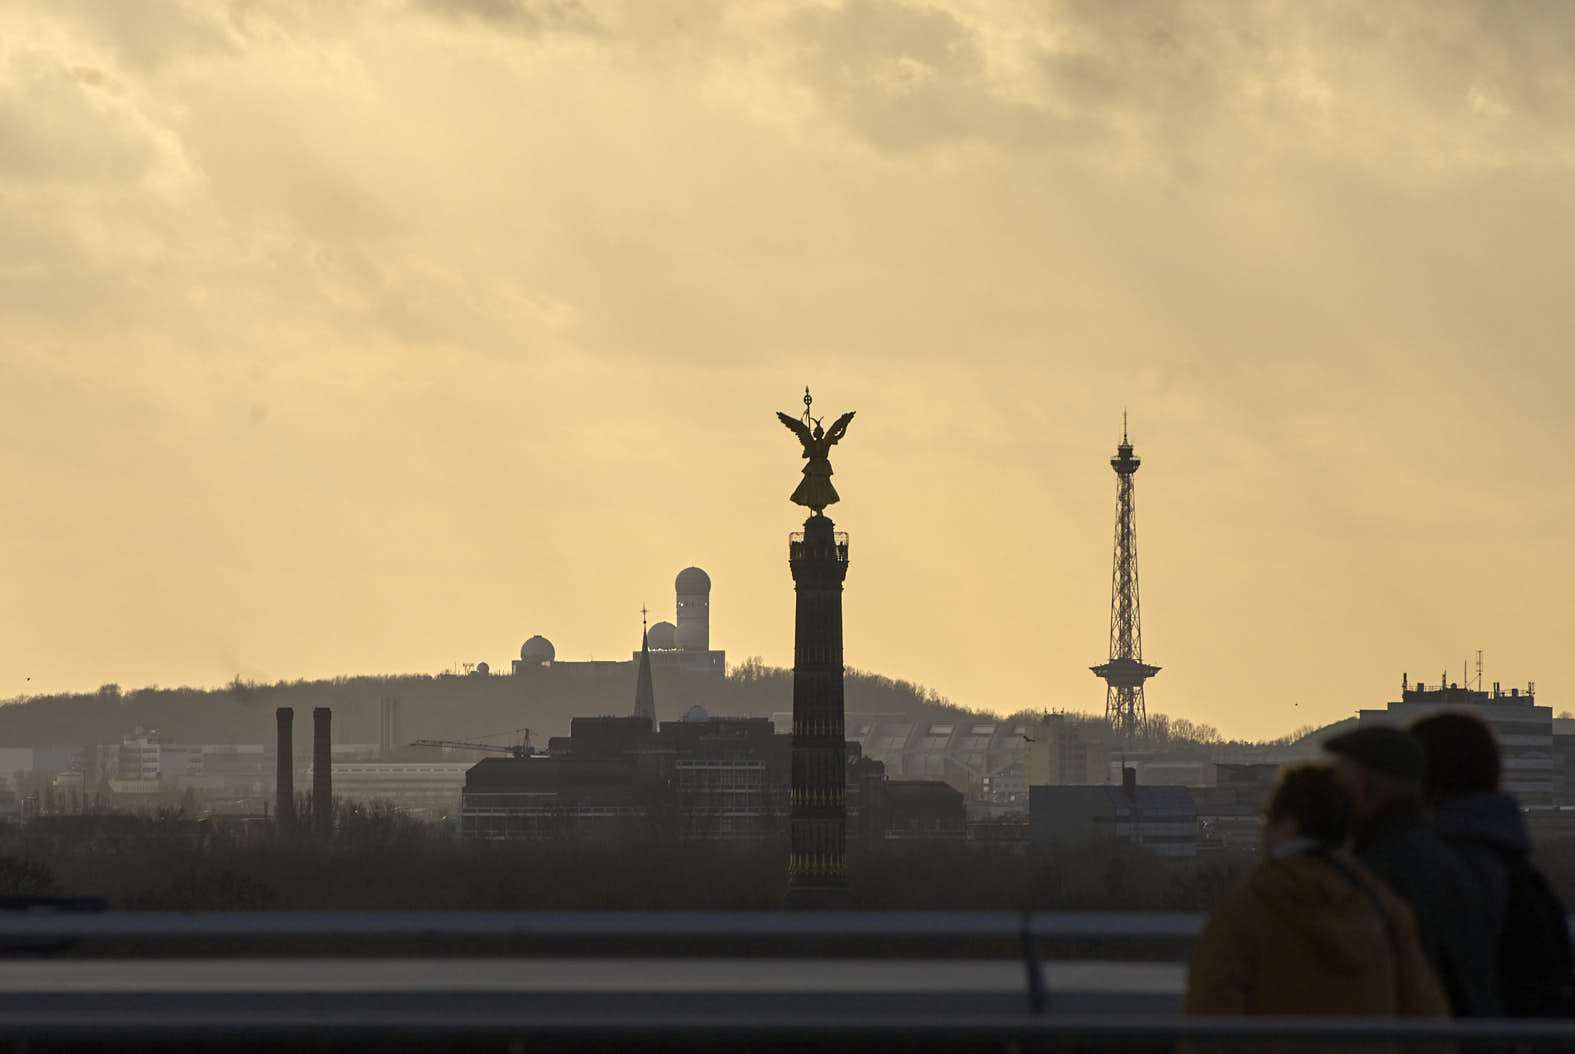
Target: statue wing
<point>839,429</point>
<point>799,428</point>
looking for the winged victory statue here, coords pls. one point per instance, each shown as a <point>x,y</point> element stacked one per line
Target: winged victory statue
<point>815,490</point>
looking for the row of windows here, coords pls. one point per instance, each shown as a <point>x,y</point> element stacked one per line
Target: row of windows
<point>691,764</point>
<point>819,865</point>
<point>706,780</point>
<point>577,811</point>
<point>746,801</point>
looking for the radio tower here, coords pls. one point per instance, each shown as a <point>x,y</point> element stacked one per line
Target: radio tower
<point>1125,673</point>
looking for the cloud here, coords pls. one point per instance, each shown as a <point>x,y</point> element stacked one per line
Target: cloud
<point>58,126</point>
<point>1405,88</point>
<point>906,78</point>
<point>530,17</point>
<point>148,37</point>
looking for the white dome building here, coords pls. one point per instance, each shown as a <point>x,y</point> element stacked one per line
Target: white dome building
<point>662,636</point>
<point>537,651</point>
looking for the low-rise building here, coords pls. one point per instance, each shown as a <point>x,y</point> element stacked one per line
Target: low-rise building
<point>423,790</point>
<point>1162,820</point>
<point>558,799</point>
<point>698,779</point>
<point>1524,729</point>
<point>982,758</point>
<point>925,809</point>
<point>1228,811</point>
<point>1062,751</point>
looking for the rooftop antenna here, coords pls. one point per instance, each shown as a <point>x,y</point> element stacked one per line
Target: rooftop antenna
<point>1479,669</point>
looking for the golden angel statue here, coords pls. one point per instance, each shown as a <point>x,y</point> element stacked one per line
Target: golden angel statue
<point>815,490</point>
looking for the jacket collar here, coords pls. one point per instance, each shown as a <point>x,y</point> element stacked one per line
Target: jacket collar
<point>1402,814</point>
<point>1486,816</point>
<point>1293,847</point>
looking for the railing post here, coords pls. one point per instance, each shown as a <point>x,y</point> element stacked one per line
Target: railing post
<point>1038,997</point>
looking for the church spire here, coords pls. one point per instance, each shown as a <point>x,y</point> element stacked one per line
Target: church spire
<point>644,693</point>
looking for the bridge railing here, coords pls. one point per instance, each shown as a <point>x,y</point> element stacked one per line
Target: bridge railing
<point>630,935</point>
<point>620,926</point>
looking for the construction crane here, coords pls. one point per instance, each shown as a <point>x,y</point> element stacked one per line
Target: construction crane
<point>523,750</point>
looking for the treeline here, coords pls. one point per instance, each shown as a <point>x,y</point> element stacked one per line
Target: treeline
<point>378,860</point>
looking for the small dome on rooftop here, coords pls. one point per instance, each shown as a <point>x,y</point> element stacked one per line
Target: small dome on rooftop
<point>662,636</point>
<point>695,715</point>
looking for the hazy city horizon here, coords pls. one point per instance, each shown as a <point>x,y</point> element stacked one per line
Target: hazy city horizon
<point>1297,714</point>
<point>618,524</point>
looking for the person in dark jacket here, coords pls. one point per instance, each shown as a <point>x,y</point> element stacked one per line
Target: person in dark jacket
<point>1483,825</point>
<point>1382,768</point>
<point>1311,931</point>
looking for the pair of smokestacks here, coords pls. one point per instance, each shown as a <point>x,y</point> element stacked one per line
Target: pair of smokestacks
<point>322,769</point>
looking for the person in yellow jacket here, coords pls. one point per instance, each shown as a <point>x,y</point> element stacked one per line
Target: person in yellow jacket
<point>1311,931</point>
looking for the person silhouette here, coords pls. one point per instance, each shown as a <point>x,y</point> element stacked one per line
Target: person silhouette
<point>1311,930</point>
<point>1381,768</point>
<point>1526,949</point>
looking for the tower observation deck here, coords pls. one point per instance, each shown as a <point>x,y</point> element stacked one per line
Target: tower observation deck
<point>1126,671</point>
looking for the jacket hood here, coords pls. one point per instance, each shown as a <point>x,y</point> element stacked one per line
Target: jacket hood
<point>1338,922</point>
<point>1485,816</point>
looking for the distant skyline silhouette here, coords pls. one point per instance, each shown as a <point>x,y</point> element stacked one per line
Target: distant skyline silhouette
<point>377,339</point>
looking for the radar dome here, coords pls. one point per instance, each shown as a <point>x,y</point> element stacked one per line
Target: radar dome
<point>537,650</point>
<point>692,636</point>
<point>695,715</point>
<point>662,636</point>
<point>693,580</point>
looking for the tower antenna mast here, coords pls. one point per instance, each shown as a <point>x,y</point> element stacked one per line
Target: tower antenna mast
<point>1125,671</point>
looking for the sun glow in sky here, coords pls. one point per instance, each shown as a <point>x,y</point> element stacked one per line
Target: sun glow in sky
<point>376,337</point>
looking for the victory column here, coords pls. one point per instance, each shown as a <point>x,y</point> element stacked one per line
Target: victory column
<point>818,556</point>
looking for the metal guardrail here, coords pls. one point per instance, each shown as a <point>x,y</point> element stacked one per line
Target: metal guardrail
<point>242,1018</point>
<point>597,925</point>
<point>241,1026</point>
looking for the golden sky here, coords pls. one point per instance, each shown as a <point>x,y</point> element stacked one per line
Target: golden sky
<point>363,337</point>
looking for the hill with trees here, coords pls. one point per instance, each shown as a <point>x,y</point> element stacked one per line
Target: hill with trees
<point>482,705</point>
<point>445,706</point>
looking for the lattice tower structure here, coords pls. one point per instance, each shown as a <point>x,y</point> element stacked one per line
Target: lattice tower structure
<point>1125,671</point>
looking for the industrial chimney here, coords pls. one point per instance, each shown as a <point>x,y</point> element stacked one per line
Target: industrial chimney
<point>322,770</point>
<point>387,726</point>
<point>284,773</point>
